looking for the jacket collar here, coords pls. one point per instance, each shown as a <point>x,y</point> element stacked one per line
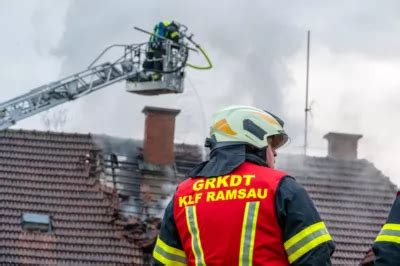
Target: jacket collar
<point>224,160</point>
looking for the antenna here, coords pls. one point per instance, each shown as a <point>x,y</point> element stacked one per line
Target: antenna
<point>307,109</point>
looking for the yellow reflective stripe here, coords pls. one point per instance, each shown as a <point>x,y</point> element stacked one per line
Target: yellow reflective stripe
<point>306,248</point>
<point>174,34</point>
<point>170,249</point>
<point>168,255</point>
<point>389,233</point>
<point>248,233</point>
<point>191,220</point>
<point>253,233</point>
<point>386,238</point>
<point>305,240</point>
<point>303,233</point>
<point>167,261</point>
<point>391,227</point>
<point>244,226</point>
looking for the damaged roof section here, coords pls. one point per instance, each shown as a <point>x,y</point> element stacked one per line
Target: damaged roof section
<point>55,175</point>
<point>144,188</point>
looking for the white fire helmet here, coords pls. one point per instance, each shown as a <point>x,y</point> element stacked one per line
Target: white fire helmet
<point>248,125</point>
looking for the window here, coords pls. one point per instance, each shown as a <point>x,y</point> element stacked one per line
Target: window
<point>36,222</point>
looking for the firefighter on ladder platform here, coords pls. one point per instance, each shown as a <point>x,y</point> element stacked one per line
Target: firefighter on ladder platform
<point>387,244</point>
<point>163,30</point>
<point>236,209</point>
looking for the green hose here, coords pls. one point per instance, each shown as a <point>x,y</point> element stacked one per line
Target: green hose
<point>206,57</point>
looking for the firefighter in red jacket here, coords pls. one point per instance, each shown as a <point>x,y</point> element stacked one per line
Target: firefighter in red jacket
<point>387,243</point>
<point>236,209</point>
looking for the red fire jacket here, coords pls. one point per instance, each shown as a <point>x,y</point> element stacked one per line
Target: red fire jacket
<point>232,220</point>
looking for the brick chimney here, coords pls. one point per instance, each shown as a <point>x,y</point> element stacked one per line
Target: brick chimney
<point>158,147</point>
<point>342,146</point>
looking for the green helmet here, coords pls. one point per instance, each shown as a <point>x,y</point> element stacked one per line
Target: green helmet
<point>248,125</point>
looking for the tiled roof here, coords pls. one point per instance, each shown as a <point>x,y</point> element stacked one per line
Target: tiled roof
<point>353,198</point>
<point>58,174</point>
<point>52,174</point>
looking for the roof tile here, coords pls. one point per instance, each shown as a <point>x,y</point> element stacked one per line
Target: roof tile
<point>50,173</point>
<point>353,198</point>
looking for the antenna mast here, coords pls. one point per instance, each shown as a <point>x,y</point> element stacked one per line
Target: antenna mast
<point>307,108</point>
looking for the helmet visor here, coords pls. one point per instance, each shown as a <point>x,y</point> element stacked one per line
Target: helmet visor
<point>277,141</point>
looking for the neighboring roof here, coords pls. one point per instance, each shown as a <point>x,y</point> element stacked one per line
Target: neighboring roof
<point>352,196</point>
<point>55,174</point>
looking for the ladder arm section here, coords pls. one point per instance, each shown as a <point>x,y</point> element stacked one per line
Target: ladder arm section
<point>98,76</point>
<point>67,89</point>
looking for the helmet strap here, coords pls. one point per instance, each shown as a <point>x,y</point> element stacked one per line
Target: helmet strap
<point>269,154</point>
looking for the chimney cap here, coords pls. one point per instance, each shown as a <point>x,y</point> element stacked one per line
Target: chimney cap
<point>337,135</point>
<point>160,110</point>
<point>342,145</point>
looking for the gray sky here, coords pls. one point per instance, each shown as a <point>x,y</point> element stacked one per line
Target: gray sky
<point>258,51</point>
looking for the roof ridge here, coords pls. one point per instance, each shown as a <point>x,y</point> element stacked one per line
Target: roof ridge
<point>44,132</point>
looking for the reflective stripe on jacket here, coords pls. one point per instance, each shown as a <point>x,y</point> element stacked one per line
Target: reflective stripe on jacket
<point>387,243</point>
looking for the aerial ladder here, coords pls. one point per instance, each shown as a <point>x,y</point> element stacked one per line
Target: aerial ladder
<point>128,67</point>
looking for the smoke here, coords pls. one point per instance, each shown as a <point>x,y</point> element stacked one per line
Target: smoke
<point>258,50</point>
<point>119,146</point>
<point>250,54</point>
